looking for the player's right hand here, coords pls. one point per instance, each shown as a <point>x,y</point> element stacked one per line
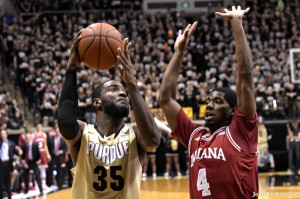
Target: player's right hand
<point>183,38</point>
<point>74,59</point>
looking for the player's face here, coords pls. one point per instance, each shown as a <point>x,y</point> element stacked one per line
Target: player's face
<point>114,99</point>
<point>217,112</point>
<point>3,134</point>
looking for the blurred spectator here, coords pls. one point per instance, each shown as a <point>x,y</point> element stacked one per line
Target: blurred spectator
<point>172,154</point>
<point>265,161</point>
<point>30,159</point>
<point>262,140</point>
<point>293,138</point>
<point>8,17</point>
<point>7,151</point>
<point>40,138</point>
<point>58,150</point>
<point>152,157</point>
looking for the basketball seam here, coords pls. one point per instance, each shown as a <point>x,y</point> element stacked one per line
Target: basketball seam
<point>99,48</point>
<point>109,37</point>
<point>90,43</point>
<point>107,43</point>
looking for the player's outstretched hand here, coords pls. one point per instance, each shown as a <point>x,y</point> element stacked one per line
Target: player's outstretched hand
<point>183,38</point>
<point>234,13</point>
<point>125,66</point>
<point>74,59</point>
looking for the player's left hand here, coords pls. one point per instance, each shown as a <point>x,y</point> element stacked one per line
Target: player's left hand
<point>234,13</point>
<point>125,67</point>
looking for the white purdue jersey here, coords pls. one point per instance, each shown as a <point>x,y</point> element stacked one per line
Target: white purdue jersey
<point>107,167</point>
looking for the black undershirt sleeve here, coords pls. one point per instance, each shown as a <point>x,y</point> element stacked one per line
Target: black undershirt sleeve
<point>68,106</point>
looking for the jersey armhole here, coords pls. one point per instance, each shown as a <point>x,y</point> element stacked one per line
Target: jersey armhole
<point>233,143</point>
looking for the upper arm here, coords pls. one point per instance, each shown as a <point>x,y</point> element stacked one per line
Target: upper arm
<point>246,94</point>
<point>171,109</point>
<point>74,144</point>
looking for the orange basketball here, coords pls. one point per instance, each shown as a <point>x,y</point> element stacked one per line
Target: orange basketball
<point>98,46</point>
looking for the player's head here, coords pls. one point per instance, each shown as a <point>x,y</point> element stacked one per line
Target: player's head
<point>295,122</point>
<point>220,107</point>
<point>111,98</point>
<point>39,126</point>
<point>3,134</point>
<point>28,137</point>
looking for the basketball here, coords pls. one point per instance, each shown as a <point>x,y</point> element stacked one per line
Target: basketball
<point>98,46</point>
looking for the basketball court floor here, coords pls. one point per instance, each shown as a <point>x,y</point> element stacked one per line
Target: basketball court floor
<point>273,185</point>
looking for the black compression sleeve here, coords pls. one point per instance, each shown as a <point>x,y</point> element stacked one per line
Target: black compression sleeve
<point>68,106</point>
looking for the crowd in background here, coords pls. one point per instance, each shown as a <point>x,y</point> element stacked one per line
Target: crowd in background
<point>37,50</point>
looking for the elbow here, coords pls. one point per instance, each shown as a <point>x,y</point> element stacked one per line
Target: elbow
<point>162,100</point>
<point>155,142</point>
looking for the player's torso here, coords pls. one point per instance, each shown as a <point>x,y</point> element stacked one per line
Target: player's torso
<point>40,139</point>
<point>214,165</point>
<point>106,165</point>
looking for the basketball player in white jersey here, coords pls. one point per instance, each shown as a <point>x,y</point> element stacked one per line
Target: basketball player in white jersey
<point>107,155</point>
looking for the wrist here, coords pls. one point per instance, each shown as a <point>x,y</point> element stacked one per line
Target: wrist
<point>235,20</point>
<point>179,51</point>
<point>131,86</point>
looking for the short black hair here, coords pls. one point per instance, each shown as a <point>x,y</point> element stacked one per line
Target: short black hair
<point>229,95</point>
<point>97,91</point>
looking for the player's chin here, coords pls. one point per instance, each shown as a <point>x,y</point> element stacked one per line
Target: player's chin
<point>209,123</point>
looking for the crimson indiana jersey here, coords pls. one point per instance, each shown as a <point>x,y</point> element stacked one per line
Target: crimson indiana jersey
<point>223,164</point>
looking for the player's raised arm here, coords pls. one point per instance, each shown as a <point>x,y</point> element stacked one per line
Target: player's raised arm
<point>168,89</point>
<point>148,137</point>
<point>245,84</point>
<point>69,127</point>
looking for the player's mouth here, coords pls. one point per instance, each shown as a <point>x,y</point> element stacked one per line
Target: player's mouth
<point>123,100</point>
<point>209,115</point>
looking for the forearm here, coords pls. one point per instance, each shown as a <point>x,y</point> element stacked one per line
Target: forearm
<point>245,84</point>
<point>243,53</point>
<point>68,106</point>
<point>144,119</point>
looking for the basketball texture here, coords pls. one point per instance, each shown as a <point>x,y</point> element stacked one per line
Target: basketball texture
<point>98,46</point>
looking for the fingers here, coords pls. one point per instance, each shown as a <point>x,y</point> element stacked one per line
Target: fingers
<point>193,28</point>
<point>125,43</point>
<point>246,11</point>
<point>78,35</point>
<point>233,8</point>
<point>226,10</point>
<point>121,69</point>
<point>180,32</point>
<point>121,58</point>
<point>239,8</point>
<point>185,33</point>
<point>128,51</point>
<point>219,14</point>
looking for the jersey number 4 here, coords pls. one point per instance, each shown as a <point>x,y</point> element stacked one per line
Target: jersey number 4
<point>202,184</point>
<point>101,185</point>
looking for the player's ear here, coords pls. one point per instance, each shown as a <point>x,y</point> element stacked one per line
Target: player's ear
<point>97,104</point>
<point>232,111</point>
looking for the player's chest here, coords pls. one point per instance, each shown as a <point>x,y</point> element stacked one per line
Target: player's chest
<point>211,149</point>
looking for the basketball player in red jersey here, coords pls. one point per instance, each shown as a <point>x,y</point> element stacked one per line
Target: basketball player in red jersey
<point>40,138</point>
<point>223,158</point>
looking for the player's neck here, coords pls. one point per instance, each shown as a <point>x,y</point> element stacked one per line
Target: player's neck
<point>109,125</point>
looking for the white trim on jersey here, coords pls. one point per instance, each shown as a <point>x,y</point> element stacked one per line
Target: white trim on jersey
<point>211,136</point>
<point>232,141</point>
<point>192,135</point>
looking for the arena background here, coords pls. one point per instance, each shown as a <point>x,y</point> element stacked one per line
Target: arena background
<point>36,36</point>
